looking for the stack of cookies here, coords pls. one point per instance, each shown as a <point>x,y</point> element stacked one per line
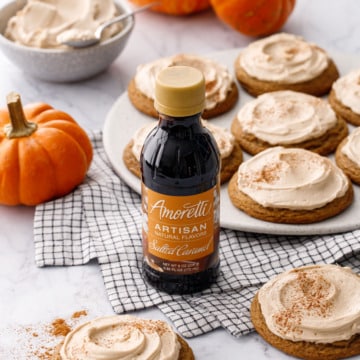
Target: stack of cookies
<point>286,128</point>
<point>289,129</point>
<point>289,132</point>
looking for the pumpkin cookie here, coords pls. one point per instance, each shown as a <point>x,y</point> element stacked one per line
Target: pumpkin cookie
<point>221,90</point>
<point>285,62</point>
<point>311,312</point>
<point>290,186</point>
<point>290,119</point>
<point>347,156</point>
<point>139,336</point>
<point>230,151</point>
<point>344,97</point>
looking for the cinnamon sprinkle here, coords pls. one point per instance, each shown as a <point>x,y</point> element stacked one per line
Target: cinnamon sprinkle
<point>291,52</point>
<point>308,297</point>
<point>150,326</point>
<point>268,174</point>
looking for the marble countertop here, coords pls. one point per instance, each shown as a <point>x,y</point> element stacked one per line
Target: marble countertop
<point>31,295</point>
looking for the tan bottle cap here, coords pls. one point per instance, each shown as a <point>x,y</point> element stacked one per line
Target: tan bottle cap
<point>179,91</point>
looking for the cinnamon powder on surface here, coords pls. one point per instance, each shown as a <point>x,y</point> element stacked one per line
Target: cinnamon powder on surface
<point>59,327</point>
<point>38,342</point>
<point>78,314</point>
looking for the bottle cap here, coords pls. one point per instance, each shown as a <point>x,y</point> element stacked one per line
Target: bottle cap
<point>179,91</point>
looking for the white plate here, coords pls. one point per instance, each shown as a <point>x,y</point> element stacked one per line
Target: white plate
<point>123,120</point>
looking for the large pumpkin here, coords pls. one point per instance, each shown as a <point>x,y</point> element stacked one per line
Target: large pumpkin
<point>177,7</point>
<point>44,153</point>
<point>254,17</point>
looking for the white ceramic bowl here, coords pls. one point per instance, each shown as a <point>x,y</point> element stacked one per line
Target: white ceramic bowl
<point>59,65</point>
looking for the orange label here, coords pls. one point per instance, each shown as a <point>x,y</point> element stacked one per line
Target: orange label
<point>180,228</point>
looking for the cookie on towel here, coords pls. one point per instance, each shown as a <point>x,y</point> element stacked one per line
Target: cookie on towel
<point>290,119</point>
<point>311,312</point>
<point>290,186</point>
<point>221,92</point>
<point>285,62</point>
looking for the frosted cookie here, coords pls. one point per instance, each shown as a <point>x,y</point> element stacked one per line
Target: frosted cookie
<point>230,151</point>
<point>290,119</point>
<point>291,186</point>
<point>285,62</point>
<point>311,312</point>
<point>344,97</point>
<point>123,337</point>
<point>221,91</point>
<point>347,156</point>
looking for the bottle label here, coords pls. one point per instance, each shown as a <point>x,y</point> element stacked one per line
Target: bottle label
<point>180,233</point>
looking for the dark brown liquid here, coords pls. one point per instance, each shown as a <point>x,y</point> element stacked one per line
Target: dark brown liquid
<point>180,157</point>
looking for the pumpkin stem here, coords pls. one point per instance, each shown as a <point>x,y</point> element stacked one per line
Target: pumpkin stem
<point>19,126</point>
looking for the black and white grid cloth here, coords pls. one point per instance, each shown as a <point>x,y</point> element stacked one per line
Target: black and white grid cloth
<point>101,220</point>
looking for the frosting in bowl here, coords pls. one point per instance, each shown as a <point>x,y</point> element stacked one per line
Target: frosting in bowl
<point>223,138</point>
<point>347,90</point>
<point>291,178</point>
<point>284,58</point>
<point>351,148</point>
<point>121,337</point>
<point>286,117</point>
<point>42,24</point>
<point>218,80</point>
<point>318,303</point>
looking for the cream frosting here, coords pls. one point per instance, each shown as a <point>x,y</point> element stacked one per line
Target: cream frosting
<point>43,23</point>
<point>121,337</point>
<point>223,138</point>
<point>351,148</point>
<point>218,80</point>
<point>291,178</point>
<point>318,303</point>
<point>347,90</point>
<point>284,58</point>
<point>286,117</point>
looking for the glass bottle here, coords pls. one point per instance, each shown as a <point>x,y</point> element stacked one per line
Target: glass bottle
<point>180,166</point>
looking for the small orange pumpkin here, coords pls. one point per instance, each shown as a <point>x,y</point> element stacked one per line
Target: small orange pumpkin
<point>44,153</point>
<point>254,17</point>
<point>176,7</point>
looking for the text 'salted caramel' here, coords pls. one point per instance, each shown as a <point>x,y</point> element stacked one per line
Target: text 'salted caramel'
<point>180,166</point>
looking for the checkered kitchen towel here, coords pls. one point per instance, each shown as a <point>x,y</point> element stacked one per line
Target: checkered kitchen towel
<point>101,219</point>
